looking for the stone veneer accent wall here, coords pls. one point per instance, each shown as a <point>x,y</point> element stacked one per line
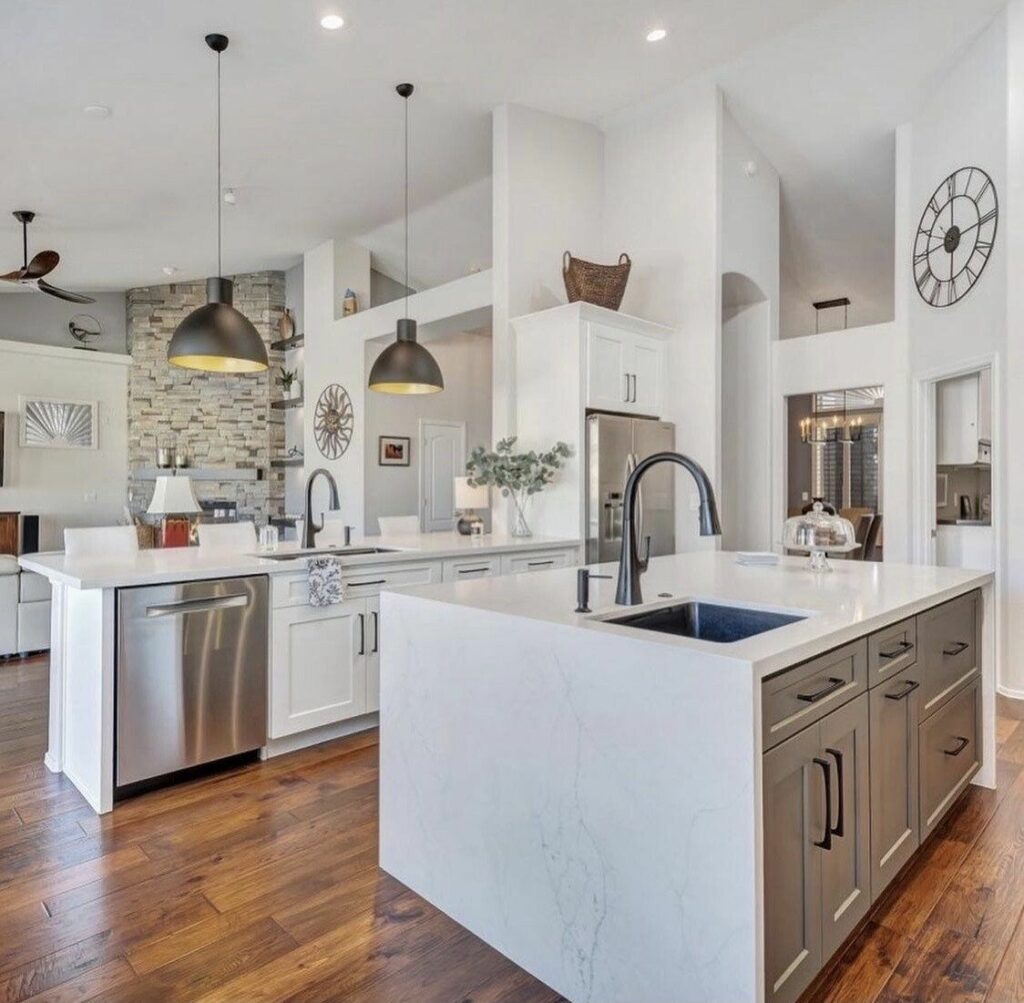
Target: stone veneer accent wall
<point>220,420</point>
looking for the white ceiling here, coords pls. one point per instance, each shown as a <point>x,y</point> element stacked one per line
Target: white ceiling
<point>312,132</point>
<point>822,101</point>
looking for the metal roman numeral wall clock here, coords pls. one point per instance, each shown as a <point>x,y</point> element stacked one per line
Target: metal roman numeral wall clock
<point>955,236</point>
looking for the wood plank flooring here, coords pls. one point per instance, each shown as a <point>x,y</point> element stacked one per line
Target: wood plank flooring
<point>261,884</point>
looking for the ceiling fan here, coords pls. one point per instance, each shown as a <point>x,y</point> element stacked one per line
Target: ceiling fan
<point>31,272</point>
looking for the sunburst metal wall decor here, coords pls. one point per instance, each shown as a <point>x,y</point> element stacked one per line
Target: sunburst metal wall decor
<point>333,421</point>
<point>58,424</point>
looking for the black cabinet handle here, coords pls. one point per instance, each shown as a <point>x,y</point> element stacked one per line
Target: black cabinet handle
<point>538,564</point>
<point>900,649</point>
<point>962,744</point>
<point>376,581</point>
<point>838,829</point>
<point>362,635</point>
<point>376,633</point>
<point>473,571</point>
<point>834,683</point>
<point>956,648</point>
<point>826,841</point>
<point>909,686</point>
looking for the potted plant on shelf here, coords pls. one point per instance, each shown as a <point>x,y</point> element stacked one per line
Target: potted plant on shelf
<point>289,383</point>
<point>518,476</point>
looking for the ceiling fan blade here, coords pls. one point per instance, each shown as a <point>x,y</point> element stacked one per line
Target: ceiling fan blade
<point>42,264</point>
<point>16,276</point>
<point>63,294</point>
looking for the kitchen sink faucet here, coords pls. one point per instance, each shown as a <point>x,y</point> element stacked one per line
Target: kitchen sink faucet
<point>309,527</point>
<point>631,564</point>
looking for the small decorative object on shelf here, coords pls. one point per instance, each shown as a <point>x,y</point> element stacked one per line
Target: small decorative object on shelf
<point>286,325</point>
<point>350,304</point>
<point>602,285</point>
<point>819,534</point>
<point>393,451</point>
<point>333,421</point>
<point>82,327</point>
<point>290,383</point>
<point>518,476</point>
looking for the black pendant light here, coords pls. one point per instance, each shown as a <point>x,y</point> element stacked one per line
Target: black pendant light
<point>216,337</point>
<point>406,367</point>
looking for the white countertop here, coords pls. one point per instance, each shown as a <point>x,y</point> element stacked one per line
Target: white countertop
<point>155,567</point>
<point>854,599</point>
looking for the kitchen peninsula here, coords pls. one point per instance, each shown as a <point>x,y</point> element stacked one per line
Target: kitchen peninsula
<point>630,813</point>
<point>322,663</point>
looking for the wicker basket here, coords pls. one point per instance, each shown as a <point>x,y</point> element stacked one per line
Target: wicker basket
<point>602,285</point>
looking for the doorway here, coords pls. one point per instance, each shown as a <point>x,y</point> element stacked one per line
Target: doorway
<point>442,459</point>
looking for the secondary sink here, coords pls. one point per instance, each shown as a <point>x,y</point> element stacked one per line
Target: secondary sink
<point>294,555</point>
<point>707,621</point>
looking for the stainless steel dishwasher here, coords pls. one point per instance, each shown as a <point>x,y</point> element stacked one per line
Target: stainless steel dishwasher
<point>191,674</point>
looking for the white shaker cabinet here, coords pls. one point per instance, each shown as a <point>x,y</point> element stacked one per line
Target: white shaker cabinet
<point>964,413</point>
<point>625,370</point>
<point>318,672</point>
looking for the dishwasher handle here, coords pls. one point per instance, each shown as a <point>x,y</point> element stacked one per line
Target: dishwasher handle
<point>207,605</point>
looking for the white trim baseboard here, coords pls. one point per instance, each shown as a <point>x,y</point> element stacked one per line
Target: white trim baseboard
<point>315,736</point>
<point>1009,693</point>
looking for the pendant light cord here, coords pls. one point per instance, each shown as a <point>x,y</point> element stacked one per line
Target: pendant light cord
<point>220,265</point>
<point>407,208</point>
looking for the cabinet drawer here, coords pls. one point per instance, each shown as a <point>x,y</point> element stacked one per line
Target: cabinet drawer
<point>544,560</point>
<point>891,650</point>
<point>949,753</point>
<point>799,696</point>
<point>292,589</point>
<point>462,568</point>
<point>950,648</point>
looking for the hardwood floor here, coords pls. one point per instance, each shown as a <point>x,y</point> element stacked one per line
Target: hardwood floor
<point>262,884</point>
<point>257,884</point>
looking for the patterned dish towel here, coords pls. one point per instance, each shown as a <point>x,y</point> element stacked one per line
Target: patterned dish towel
<point>325,581</point>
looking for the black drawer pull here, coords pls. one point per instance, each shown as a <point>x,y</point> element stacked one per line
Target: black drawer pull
<point>834,683</point>
<point>538,564</point>
<point>908,688</point>
<point>377,581</point>
<point>826,841</point>
<point>962,744</point>
<point>901,648</point>
<point>472,571</point>
<point>956,648</point>
<point>838,830</point>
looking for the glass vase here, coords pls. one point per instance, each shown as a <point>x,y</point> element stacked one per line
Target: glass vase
<point>519,526</point>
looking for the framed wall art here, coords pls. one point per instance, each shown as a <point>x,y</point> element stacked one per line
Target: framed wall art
<point>53,423</point>
<point>393,451</point>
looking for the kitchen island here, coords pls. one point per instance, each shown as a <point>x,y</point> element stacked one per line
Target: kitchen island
<point>322,662</point>
<point>631,814</point>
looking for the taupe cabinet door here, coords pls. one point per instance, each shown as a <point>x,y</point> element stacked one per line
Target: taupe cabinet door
<point>816,846</point>
<point>794,817</point>
<point>895,832</point>
<point>846,866</point>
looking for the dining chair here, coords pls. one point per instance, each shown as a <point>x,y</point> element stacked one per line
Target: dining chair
<point>238,536</point>
<point>871,548</point>
<point>97,541</point>
<point>398,525</point>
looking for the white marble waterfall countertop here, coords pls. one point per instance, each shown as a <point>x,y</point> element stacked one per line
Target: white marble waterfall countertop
<point>154,567</point>
<point>854,599</point>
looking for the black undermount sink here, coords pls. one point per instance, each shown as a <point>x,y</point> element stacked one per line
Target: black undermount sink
<point>707,621</point>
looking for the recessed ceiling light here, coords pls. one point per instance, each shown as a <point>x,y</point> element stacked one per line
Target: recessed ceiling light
<point>230,196</point>
<point>96,111</point>
<point>332,22</point>
<point>656,34</point>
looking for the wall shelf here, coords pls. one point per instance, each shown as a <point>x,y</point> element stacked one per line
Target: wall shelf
<point>200,473</point>
<point>287,404</point>
<point>288,461</point>
<point>287,344</point>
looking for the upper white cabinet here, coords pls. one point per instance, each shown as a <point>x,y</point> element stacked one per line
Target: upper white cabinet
<point>624,369</point>
<point>964,420</point>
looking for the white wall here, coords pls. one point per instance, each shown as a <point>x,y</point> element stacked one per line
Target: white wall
<point>465,361</point>
<point>548,176</point>
<point>661,205</point>
<point>65,487</point>
<point>43,320</point>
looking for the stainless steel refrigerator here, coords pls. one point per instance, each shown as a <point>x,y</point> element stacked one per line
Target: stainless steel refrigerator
<point>615,444</point>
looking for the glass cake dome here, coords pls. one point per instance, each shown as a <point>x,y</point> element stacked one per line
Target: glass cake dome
<point>817,533</point>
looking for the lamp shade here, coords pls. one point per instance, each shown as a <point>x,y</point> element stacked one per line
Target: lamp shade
<point>173,496</point>
<point>405,366</point>
<point>216,337</point>
<point>467,497</point>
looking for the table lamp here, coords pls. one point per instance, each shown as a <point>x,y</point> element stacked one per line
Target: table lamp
<point>467,500</point>
<point>174,499</point>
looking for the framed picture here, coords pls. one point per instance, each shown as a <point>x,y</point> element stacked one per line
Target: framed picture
<point>393,451</point>
<point>53,423</point>
<point>941,490</point>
